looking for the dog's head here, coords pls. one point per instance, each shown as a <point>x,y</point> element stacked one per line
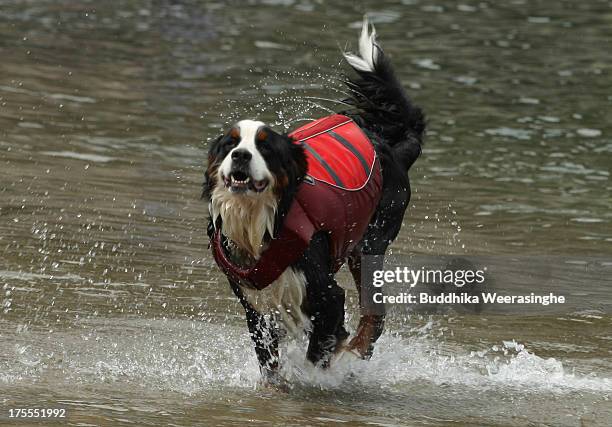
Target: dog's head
<point>251,163</point>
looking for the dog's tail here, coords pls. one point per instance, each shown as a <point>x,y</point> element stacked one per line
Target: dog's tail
<point>382,105</point>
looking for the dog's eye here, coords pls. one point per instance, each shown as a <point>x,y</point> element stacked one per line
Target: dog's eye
<point>263,147</point>
<point>262,135</point>
<point>233,137</point>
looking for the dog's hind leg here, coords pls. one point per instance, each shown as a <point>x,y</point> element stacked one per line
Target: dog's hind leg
<point>265,337</point>
<point>371,323</point>
<point>382,230</point>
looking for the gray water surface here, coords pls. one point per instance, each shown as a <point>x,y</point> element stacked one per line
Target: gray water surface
<point>110,303</point>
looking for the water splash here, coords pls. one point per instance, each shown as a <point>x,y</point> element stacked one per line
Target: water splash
<point>398,362</point>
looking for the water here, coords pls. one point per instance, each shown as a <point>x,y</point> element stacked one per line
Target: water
<point>110,305</point>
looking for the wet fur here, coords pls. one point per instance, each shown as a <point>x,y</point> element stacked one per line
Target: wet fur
<point>396,127</point>
<point>245,220</point>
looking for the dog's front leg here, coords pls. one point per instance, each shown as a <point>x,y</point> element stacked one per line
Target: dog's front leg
<point>264,336</point>
<point>325,302</point>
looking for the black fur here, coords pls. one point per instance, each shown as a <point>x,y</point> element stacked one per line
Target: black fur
<point>265,336</point>
<point>324,301</point>
<point>383,108</point>
<point>285,160</point>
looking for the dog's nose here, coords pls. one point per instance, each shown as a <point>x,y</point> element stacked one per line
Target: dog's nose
<point>241,156</point>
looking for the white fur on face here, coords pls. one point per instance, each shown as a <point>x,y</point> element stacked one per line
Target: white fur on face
<point>246,216</point>
<point>258,168</point>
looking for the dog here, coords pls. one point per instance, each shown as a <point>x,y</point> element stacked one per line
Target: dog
<point>287,210</point>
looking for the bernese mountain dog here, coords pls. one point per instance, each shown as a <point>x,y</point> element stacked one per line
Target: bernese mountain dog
<point>288,209</point>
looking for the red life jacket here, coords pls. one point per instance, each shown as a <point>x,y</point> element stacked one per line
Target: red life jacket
<point>339,195</point>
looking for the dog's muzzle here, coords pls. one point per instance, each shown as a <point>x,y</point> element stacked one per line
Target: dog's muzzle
<point>240,179</point>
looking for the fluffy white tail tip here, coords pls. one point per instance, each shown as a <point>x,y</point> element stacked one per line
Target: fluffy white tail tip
<point>368,50</point>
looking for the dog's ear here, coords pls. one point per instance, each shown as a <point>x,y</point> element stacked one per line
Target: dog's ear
<point>298,159</point>
<point>210,229</point>
<point>299,156</point>
<point>294,171</point>
<point>213,144</point>
<point>210,173</point>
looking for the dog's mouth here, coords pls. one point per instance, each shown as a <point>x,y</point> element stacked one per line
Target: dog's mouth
<point>240,182</point>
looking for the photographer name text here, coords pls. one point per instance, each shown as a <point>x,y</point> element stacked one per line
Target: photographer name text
<point>466,290</point>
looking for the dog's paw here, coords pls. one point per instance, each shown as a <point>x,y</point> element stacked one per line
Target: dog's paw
<point>274,382</point>
<point>345,357</point>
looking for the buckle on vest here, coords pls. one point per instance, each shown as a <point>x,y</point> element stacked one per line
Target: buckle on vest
<point>309,180</point>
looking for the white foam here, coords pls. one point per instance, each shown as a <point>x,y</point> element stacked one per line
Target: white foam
<point>399,361</point>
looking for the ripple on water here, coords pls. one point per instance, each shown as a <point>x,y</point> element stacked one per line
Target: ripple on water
<point>466,80</point>
<point>573,169</point>
<point>426,63</point>
<point>528,100</point>
<point>587,220</point>
<point>95,158</point>
<point>516,133</point>
<point>589,133</point>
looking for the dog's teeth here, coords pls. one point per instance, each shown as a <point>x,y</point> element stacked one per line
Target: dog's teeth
<point>240,181</point>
